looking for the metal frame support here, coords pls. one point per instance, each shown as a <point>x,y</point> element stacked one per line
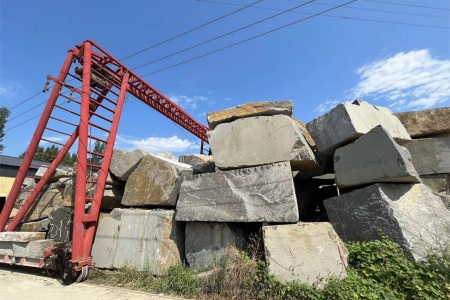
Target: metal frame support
<point>34,143</point>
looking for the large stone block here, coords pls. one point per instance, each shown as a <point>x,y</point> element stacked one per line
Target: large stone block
<point>261,140</point>
<point>305,132</point>
<point>348,121</point>
<point>259,194</point>
<point>41,225</point>
<point>105,244</point>
<point>43,206</point>
<point>409,214</point>
<point>430,156</point>
<point>11,236</point>
<point>252,109</point>
<point>112,197</point>
<point>156,181</point>
<point>426,123</point>
<point>309,252</point>
<point>32,249</point>
<point>149,239</point>
<point>436,182</point>
<point>207,243</point>
<point>61,224</point>
<point>58,174</point>
<point>123,162</point>
<point>201,163</point>
<point>374,157</point>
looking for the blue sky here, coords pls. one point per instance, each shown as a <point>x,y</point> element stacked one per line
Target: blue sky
<point>356,51</point>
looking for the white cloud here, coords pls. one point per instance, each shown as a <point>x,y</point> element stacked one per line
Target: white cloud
<point>188,102</point>
<point>9,89</point>
<point>326,106</point>
<point>408,79</point>
<point>155,144</point>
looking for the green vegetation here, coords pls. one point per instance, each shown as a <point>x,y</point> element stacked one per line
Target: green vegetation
<point>49,153</point>
<point>377,270</point>
<point>4,114</point>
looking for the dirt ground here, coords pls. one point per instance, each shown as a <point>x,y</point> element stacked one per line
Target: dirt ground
<point>21,283</point>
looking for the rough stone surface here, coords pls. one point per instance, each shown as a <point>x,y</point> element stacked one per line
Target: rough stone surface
<point>105,243</point>
<point>207,243</point>
<point>112,197</point>
<point>348,121</point>
<point>265,108</point>
<point>430,156</point>
<point>123,163</point>
<point>41,225</point>
<point>374,157</point>
<point>143,239</point>
<point>305,132</point>
<point>154,182</point>
<point>32,249</point>
<point>21,236</point>
<point>260,140</point>
<point>259,194</point>
<point>6,248</point>
<point>308,252</point>
<point>61,224</point>
<point>200,163</point>
<point>436,182</point>
<point>427,122</point>
<point>58,174</point>
<point>409,214</point>
<point>167,155</point>
<point>44,205</point>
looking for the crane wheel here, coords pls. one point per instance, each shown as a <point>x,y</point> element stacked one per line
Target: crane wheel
<point>81,276</point>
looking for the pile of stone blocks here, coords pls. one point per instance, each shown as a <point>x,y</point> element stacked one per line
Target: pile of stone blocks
<point>377,167</point>
<point>256,149</point>
<point>16,245</point>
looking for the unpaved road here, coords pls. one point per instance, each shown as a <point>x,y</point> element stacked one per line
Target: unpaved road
<point>18,285</point>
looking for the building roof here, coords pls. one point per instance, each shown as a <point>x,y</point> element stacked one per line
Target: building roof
<point>16,162</point>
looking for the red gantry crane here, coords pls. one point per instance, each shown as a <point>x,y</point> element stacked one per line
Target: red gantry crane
<point>92,117</point>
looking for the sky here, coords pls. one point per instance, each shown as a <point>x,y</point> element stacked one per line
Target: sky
<point>392,53</point>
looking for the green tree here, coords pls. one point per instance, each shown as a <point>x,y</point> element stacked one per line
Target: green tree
<point>4,114</point>
<point>49,153</point>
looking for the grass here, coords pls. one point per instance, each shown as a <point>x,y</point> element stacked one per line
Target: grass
<point>377,270</point>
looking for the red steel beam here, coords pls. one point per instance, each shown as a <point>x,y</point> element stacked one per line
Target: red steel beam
<point>14,193</point>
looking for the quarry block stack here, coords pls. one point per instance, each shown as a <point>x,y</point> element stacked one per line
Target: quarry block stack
<point>353,174</point>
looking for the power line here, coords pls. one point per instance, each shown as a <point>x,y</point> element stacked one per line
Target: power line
<point>191,30</point>
<point>34,107</point>
<point>224,35</point>
<point>380,10</point>
<point>251,38</point>
<point>403,4</point>
<point>335,16</point>
<point>26,100</point>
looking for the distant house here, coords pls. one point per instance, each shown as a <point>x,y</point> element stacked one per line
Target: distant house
<point>9,166</point>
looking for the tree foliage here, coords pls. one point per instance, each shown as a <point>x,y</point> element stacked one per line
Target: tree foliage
<point>49,153</point>
<point>4,114</point>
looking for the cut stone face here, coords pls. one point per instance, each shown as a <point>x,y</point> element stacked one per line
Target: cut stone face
<point>144,239</point>
<point>409,214</point>
<point>105,244</point>
<point>374,157</point>
<point>430,156</point>
<point>309,252</point>
<point>41,225</point>
<point>261,140</point>
<point>32,249</point>
<point>207,243</point>
<point>123,162</point>
<point>426,122</point>
<point>259,194</point>
<point>348,121</point>
<point>264,108</point>
<point>61,224</point>
<point>156,181</point>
